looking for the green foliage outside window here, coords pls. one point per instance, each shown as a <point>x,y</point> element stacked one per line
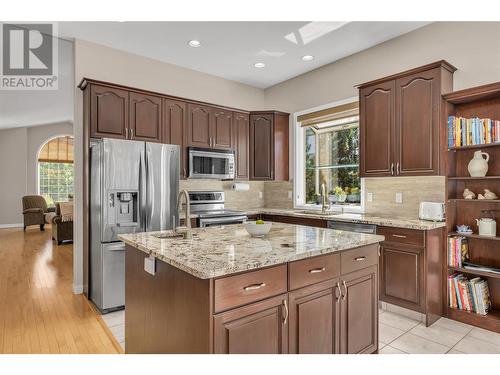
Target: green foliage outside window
<point>55,181</point>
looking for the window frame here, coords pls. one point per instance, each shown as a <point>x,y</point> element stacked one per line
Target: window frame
<point>299,165</point>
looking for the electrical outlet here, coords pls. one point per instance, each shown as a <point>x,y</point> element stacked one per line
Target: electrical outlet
<point>261,195</point>
<point>290,194</point>
<point>369,197</point>
<point>399,197</point>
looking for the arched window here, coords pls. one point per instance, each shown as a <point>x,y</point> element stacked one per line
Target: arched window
<point>55,170</point>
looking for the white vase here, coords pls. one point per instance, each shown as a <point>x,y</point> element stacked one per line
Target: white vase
<point>478,166</point>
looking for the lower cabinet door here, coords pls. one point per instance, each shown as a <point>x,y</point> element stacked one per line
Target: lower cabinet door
<point>359,312</point>
<point>259,328</point>
<point>314,319</point>
<point>401,276</point>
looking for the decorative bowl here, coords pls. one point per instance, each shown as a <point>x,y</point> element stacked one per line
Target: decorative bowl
<point>257,230</point>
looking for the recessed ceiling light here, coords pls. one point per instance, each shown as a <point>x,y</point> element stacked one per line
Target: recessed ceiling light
<point>307,58</point>
<point>194,43</point>
<point>259,65</point>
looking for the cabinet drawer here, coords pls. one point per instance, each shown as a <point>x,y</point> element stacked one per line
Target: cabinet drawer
<point>356,259</point>
<point>238,290</point>
<point>313,270</point>
<point>402,235</point>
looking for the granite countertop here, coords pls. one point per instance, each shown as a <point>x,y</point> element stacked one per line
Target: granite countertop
<point>223,250</point>
<point>383,220</point>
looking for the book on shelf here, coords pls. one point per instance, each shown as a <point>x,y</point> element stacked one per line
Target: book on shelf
<point>458,251</point>
<point>472,131</point>
<point>468,295</point>
<point>477,267</point>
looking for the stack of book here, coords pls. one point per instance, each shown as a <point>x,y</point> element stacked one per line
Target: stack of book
<point>469,295</point>
<point>458,251</point>
<point>472,131</point>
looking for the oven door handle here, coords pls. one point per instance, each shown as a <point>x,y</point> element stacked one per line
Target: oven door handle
<point>222,220</point>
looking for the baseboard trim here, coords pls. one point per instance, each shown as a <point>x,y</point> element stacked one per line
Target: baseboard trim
<point>15,225</point>
<point>77,289</point>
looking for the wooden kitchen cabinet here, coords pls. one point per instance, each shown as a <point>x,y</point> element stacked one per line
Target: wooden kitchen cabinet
<point>259,328</point>
<point>109,112</point>
<point>359,312</point>
<point>174,128</point>
<point>401,275</point>
<point>401,117</point>
<point>411,263</point>
<point>199,126</point>
<point>241,143</point>
<point>376,106</point>
<point>314,319</point>
<point>222,129</point>
<point>269,146</point>
<point>145,117</point>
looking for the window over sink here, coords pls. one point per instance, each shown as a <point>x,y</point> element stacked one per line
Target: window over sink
<point>327,151</point>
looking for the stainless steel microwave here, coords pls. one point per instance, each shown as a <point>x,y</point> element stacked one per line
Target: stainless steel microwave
<point>208,163</point>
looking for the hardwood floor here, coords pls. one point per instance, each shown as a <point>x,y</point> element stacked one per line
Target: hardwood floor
<point>38,311</point>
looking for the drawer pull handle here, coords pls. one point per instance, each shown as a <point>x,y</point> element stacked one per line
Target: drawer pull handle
<point>345,288</point>
<point>317,270</point>
<point>254,286</point>
<point>398,236</point>
<point>358,259</point>
<point>285,319</point>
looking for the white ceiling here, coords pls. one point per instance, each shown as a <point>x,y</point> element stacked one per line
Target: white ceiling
<point>229,49</point>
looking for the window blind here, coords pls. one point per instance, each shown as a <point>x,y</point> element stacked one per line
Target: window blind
<point>329,114</point>
<point>57,150</point>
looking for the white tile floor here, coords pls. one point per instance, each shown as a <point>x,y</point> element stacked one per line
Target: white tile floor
<point>398,334</point>
<point>116,323</point>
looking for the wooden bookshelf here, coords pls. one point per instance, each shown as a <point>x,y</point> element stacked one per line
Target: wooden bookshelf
<point>483,102</point>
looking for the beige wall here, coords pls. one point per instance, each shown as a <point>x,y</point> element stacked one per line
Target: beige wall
<point>13,146</point>
<point>19,152</point>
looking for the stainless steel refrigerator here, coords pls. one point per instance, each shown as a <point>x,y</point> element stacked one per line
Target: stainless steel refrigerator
<point>133,188</point>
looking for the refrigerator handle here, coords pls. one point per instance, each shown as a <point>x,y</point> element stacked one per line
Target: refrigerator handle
<point>150,194</point>
<point>142,191</point>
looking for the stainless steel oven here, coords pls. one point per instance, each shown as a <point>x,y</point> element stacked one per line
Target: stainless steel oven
<point>209,206</point>
<point>227,220</point>
<point>208,163</point>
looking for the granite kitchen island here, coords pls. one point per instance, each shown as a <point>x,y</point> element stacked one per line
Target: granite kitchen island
<point>298,290</point>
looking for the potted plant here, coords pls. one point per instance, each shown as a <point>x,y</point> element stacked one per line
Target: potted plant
<point>355,195</point>
<point>340,194</point>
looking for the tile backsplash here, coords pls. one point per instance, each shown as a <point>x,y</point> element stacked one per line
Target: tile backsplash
<point>275,194</point>
<point>413,189</point>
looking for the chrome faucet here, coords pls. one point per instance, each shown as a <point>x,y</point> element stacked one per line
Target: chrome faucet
<point>325,202</point>
<point>185,230</point>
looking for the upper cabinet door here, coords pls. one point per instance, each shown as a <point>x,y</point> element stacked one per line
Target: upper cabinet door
<point>241,133</point>
<point>262,147</point>
<point>418,98</point>
<point>174,125</point>
<point>145,117</point>
<point>376,106</point>
<point>199,123</point>
<point>108,112</point>
<point>222,130</point>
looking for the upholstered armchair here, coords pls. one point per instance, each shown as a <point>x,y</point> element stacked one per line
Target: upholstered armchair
<point>34,210</point>
<point>61,230</point>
